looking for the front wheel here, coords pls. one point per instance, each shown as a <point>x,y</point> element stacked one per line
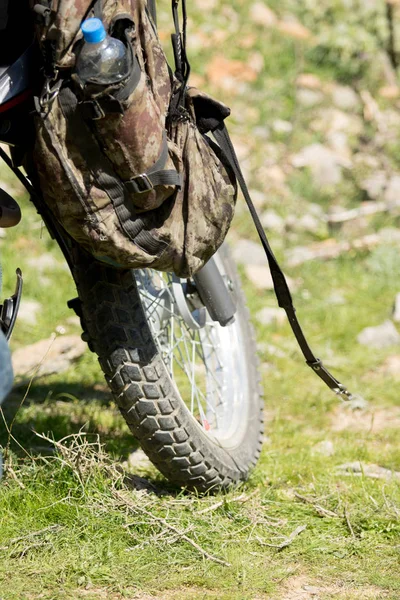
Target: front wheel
<point>187,387</point>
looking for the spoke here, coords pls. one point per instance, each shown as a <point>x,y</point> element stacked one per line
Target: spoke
<point>190,350</point>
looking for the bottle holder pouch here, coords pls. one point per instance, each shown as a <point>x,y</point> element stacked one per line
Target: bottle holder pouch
<point>134,188</point>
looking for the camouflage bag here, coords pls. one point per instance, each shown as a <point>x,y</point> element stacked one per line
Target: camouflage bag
<point>127,168</point>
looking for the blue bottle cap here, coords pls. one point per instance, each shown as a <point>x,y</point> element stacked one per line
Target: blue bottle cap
<point>93,31</point>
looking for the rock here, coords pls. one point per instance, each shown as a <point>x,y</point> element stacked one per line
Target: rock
<point>294,29</point>
<point>271,316</point>
<point>374,184</point>
<point>337,298</point>
<point>391,366</point>
<point>43,262</point>
<point>299,255</point>
<point>381,336</point>
<point>339,142</point>
<point>396,309</point>
<point>368,470</point>
<point>53,355</point>
<point>260,276</point>
<point>357,403</point>
<point>306,222</point>
<point>28,311</point>
<point>392,191</point>
<point>271,350</point>
<point>390,235</point>
<point>262,15</point>
<point>325,164</point>
<point>324,448</point>
<point>333,119</point>
<point>259,199</point>
<point>329,249</point>
<point>308,97</point>
<point>308,80</point>
<point>389,92</point>
<point>272,221</point>
<point>280,126</point>
<point>311,589</point>
<point>247,252</point>
<point>137,460</point>
<point>316,210</point>
<point>74,320</point>
<point>345,98</point>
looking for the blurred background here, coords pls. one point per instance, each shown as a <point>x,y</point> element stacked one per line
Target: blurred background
<point>315,98</point>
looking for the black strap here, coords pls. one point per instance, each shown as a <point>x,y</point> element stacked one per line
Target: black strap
<point>280,284</point>
<point>151,4</point>
<point>182,64</point>
<point>98,9</point>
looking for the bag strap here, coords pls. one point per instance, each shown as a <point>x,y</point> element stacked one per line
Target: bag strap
<point>182,65</point>
<point>151,4</point>
<point>280,284</point>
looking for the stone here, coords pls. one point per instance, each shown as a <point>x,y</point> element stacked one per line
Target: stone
<point>374,184</point>
<point>271,350</point>
<point>271,316</point>
<point>396,309</point>
<point>316,210</point>
<point>272,221</point>
<point>357,403</point>
<point>324,448</point>
<point>345,98</point>
<point>262,15</point>
<point>47,357</point>
<point>281,126</point>
<point>381,336</point>
<point>390,235</point>
<point>368,470</point>
<point>337,298</point>
<point>325,164</point>
<point>308,80</point>
<point>392,191</point>
<point>309,98</point>
<point>339,142</point>
<point>260,276</point>
<point>43,262</point>
<point>333,119</point>
<point>137,460</point>
<point>312,589</point>
<point>306,222</point>
<point>28,311</point>
<point>391,366</point>
<point>390,92</point>
<point>292,28</point>
<point>247,252</point>
<point>259,199</point>
<point>74,320</point>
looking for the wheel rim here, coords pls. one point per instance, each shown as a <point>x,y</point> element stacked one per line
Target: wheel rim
<point>205,361</point>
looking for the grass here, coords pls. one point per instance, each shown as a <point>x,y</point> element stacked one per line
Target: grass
<point>81,519</point>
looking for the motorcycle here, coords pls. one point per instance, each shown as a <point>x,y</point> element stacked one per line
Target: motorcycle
<point>178,355</point>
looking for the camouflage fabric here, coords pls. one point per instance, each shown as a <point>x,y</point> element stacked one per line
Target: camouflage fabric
<point>86,167</point>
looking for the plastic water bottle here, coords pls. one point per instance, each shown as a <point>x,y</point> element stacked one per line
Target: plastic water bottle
<point>102,57</point>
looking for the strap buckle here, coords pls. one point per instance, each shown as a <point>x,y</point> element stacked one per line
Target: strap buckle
<point>141,184</point>
<point>50,92</point>
<point>343,393</point>
<point>91,109</point>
